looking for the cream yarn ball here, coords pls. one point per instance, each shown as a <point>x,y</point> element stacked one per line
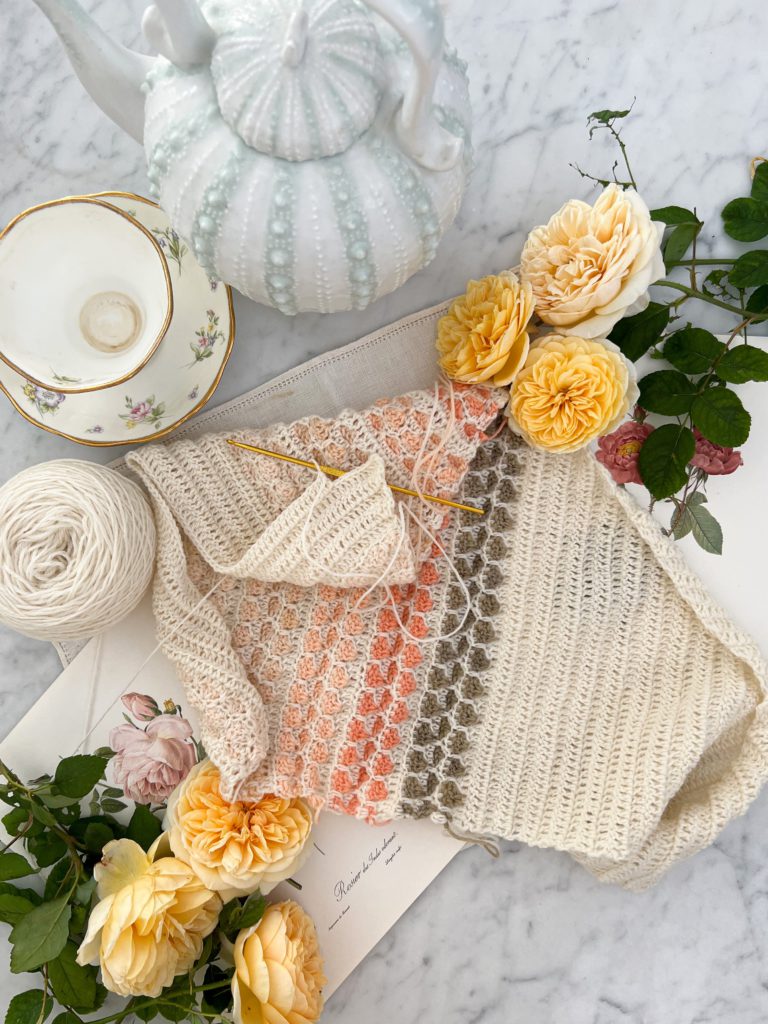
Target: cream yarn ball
<point>77,549</point>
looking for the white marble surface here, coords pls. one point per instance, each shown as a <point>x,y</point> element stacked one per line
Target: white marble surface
<point>531,938</point>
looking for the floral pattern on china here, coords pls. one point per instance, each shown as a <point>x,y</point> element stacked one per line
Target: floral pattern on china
<point>356,110</point>
<point>171,386</point>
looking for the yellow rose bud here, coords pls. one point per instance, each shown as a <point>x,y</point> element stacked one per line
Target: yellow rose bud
<point>151,920</point>
<point>590,266</point>
<point>236,847</point>
<point>571,391</point>
<point>278,969</point>
<point>484,336</point>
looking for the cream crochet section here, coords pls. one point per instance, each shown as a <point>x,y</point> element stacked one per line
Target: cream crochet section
<point>625,721</point>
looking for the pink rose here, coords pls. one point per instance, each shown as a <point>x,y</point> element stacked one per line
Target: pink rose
<point>618,451</point>
<point>713,459</point>
<point>141,706</point>
<point>141,411</point>
<point>150,763</point>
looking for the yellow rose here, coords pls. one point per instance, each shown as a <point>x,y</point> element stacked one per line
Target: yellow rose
<point>484,336</point>
<point>150,922</point>
<point>571,391</point>
<point>590,266</point>
<point>235,848</point>
<point>278,975</point>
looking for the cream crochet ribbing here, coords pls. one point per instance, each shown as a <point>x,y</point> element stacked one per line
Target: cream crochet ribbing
<point>626,719</point>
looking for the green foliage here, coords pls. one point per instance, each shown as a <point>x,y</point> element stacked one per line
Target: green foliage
<point>721,417</point>
<point>692,350</point>
<point>636,334</point>
<point>47,848</point>
<point>690,516</point>
<point>15,903</point>
<point>746,220</point>
<point>664,458</point>
<point>668,392</point>
<point>679,241</point>
<point>74,986</point>
<point>13,865</point>
<point>742,364</point>
<point>31,1007</point>
<point>253,910</point>
<point>40,935</point>
<point>218,1001</point>
<point>750,270</point>
<point>758,301</point>
<point>76,776</point>
<point>144,827</point>
<point>237,915</point>
<point>760,182</point>
<point>685,229</point>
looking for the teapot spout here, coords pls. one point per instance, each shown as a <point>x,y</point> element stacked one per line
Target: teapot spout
<point>111,73</point>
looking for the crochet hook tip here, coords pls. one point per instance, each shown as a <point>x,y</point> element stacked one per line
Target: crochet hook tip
<point>333,471</point>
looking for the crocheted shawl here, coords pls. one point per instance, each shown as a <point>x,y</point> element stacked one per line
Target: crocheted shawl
<point>587,695</point>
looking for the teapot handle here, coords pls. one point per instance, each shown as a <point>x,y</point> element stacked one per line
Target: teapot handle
<point>420,23</point>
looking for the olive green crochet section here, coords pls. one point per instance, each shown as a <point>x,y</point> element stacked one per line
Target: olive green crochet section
<point>452,705</point>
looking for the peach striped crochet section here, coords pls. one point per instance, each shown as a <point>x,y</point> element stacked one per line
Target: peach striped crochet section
<point>311,689</point>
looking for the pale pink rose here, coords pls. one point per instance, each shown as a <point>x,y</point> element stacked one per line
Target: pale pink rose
<point>713,458</point>
<point>619,450</point>
<point>150,763</point>
<point>141,706</point>
<point>140,411</point>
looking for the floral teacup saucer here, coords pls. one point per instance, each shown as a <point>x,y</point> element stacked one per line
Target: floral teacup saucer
<point>176,382</point>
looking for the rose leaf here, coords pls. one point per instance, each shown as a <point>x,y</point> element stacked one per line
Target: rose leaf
<point>76,776</point>
<point>253,910</point>
<point>742,364</point>
<point>750,270</point>
<point>674,215</point>
<point>746,220</point>
<point>13,865</point>
<point>667,392</point>
<point>692,350</point>
<point>720,416</point>
<point>73,985</point>
<point>679,241</point>
<point>760,182</point>
<point>634,335</point>
<point>144,827</point>
<point>664,458</point>
<point>31,1007</point>
<point>707,532</point>
<point>40,935</point>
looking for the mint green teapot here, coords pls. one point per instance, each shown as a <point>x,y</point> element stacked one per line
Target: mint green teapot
<point>312,153</point>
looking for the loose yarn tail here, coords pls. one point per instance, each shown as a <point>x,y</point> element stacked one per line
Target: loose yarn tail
<point>488,843</point>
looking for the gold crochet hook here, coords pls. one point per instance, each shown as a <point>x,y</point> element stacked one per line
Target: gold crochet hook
<point>332,471</point>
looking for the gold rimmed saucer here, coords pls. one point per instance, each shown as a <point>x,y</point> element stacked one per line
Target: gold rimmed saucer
<point>177,381</point>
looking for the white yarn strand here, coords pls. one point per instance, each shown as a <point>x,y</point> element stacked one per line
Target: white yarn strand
<point>77,549</point>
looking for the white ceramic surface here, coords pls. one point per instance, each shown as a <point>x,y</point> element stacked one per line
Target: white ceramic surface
<point>85,295</point>
<point>312,152</point>
<point>530,938</point>
<point>178,379</point>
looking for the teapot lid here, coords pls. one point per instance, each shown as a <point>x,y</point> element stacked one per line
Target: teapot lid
<point>299,79</point>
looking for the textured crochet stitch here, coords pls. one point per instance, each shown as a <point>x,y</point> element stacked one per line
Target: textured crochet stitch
<point>590,697</point>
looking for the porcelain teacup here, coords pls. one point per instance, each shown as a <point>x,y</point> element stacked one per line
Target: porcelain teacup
<point>85,293</point>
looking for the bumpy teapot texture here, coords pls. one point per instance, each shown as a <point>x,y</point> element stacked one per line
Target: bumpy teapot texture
<point>311,152</point>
